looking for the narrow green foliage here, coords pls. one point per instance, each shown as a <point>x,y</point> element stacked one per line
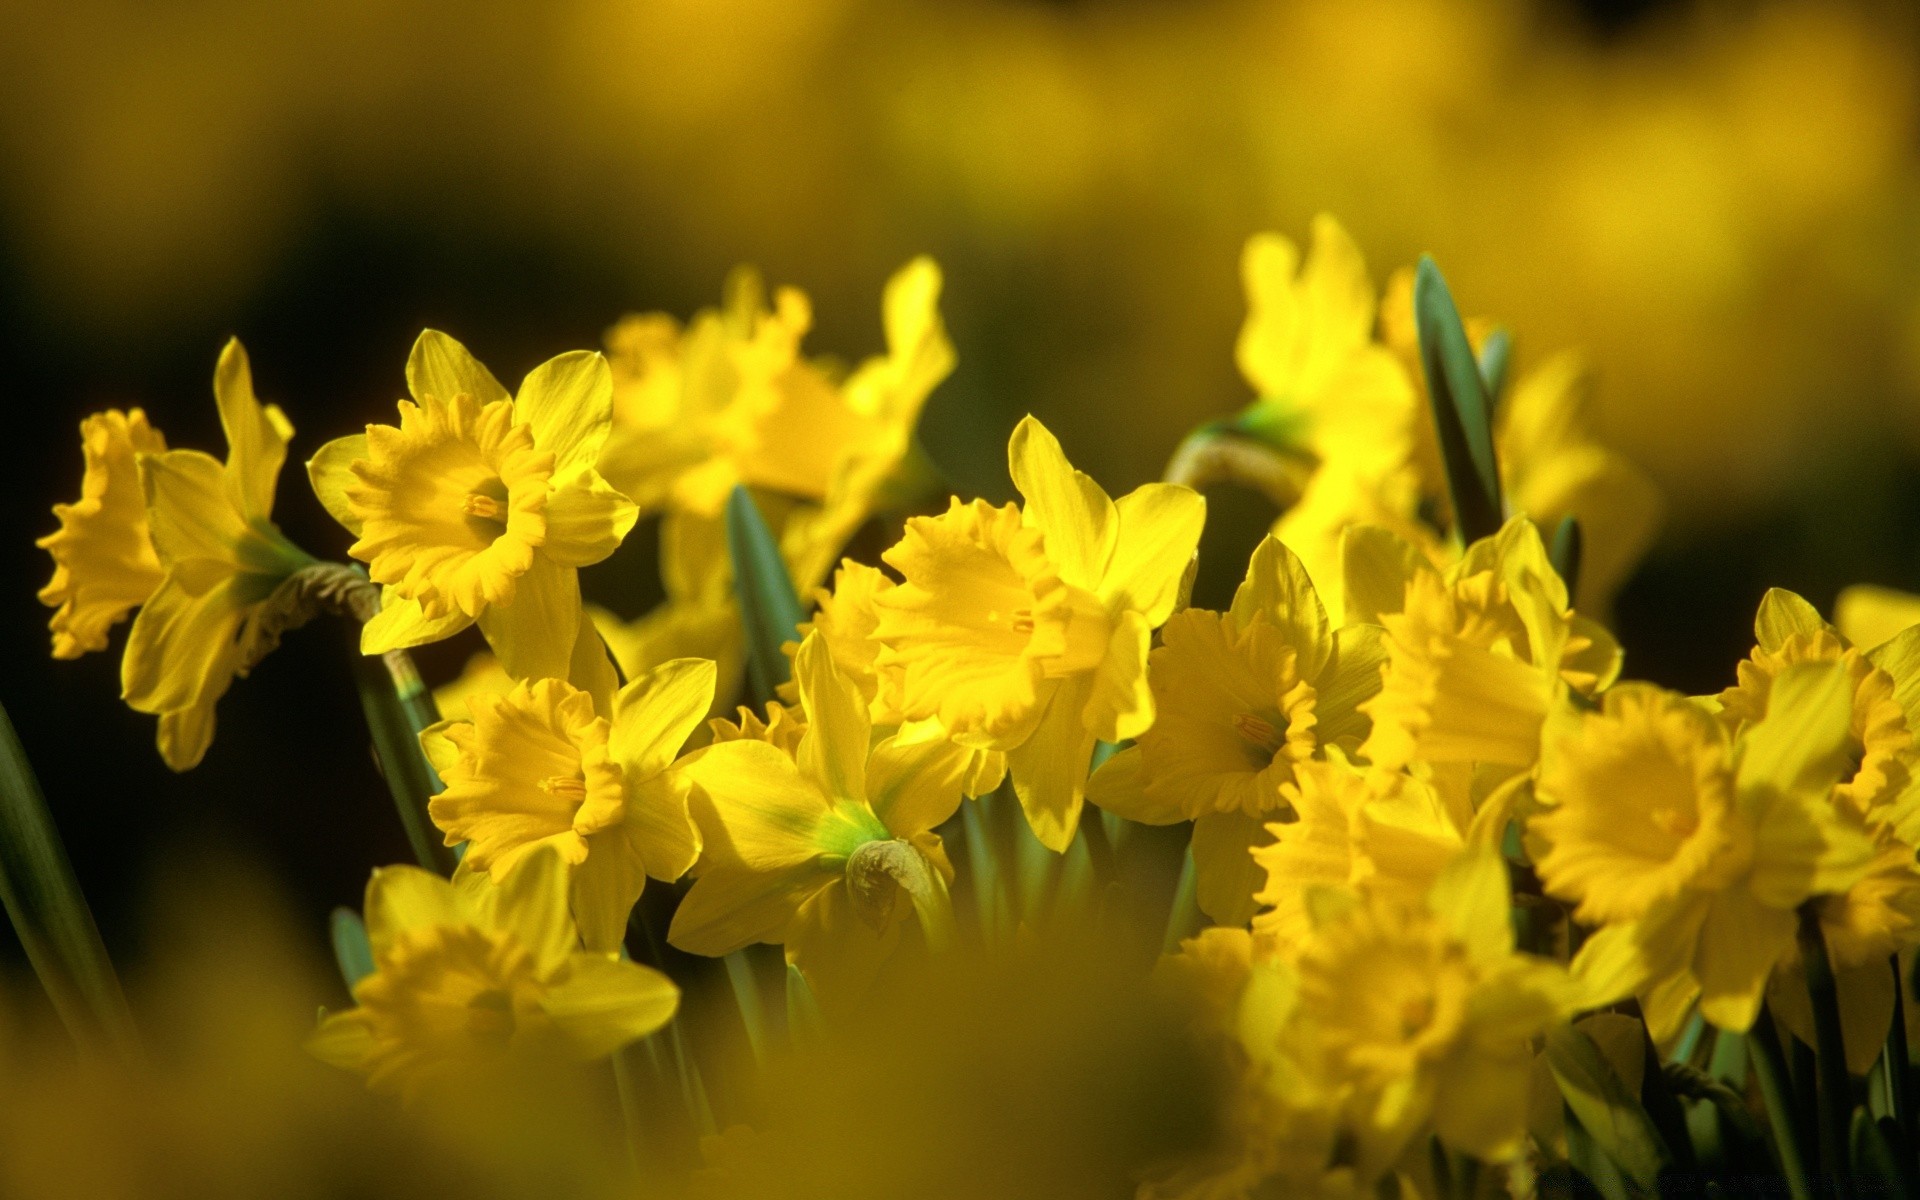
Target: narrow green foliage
<point>350,947</point>
<point>1770,1067</point>
<point>803,1011</point>
<point>1496,356</point>
<point>398,707</point>
<point>1836,1090</point>
<point>770,611</point>
<point>1564,553</point>
<point>1462,412</point>
<point>1185,919</point>
<point>1873,1161</point>
<point>49,914</point>
<point>1611,1114</point>
<point>746,994</point>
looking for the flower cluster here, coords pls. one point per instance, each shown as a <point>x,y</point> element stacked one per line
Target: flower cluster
<point>1430,825</point>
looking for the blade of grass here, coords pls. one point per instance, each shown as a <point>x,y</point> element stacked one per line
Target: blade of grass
<point>770,610</point>
<point>1462,413</point>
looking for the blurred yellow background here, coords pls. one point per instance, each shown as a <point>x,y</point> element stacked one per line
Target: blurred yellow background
<point>1717,202</point>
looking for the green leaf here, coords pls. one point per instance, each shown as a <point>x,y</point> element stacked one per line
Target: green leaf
<point>398,707</point>
<point>1564,553</point>
<point>350,947</point>
<point>1462,413</point>
<point>49,914</point>
<point>1873,1158</point>
<point>1496,356</point>
<point>770,611</point>
<point>1604,1106</point>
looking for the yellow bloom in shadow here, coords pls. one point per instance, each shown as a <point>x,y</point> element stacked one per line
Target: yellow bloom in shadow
<point>104,565</point>
<point>1416,1014</point>
<point>827,849</point>
<point>1242,701</point>
<point>1870,616</point>
<point>480,506</point>
<point>537,766</point>
<point>1693,850</point>
<point>469,976</point>
<point>1879,787</point>
<point>1026,630</point>
<point>222,556</point>
<point>1477,655</point>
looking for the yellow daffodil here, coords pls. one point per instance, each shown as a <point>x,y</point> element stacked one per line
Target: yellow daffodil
<point>538,766</point>
<point>1881,745</point>
<point>1243,699</point>
<point>1027,630</point>
<point>730,400</point>
<point>1424,1014</point>
<point>827,849</point>
<point>222,558</point>
<point>1325,386</point>
<point>1694,851</point>
<point>1382,831</point>
<point>468,975</point>
<point>1478,654</point>
<point>480,506</point>
<point>104,565</point>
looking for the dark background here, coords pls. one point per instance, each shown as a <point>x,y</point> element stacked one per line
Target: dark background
<point>289,780</point>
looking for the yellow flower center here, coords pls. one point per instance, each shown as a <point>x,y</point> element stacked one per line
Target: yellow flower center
<point>1641,807</point>
<point>1260,732</point>
<point>452,503</point>
<point>1387,990</point>
<point>534,767</point>
<point>448,997</point>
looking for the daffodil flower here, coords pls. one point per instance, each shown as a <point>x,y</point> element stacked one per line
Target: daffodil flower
<point>222,558</point>
<point>104,565</point>
<point>470,974</point>
<point>1424,1015</point>
<point>828,849</point>
<point>481,507</point>
<point>1694,851</point>
<point>1026,630</point>
<point>538,766</point>
<point>1477,655</point>
<point>1788,630</point>
<point>1243,699</point>
<point>1353,827</point>
<point>1326,387</point>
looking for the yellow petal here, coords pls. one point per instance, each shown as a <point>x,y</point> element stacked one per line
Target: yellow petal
<point>1870,616</point>
<point>915,784</point>
<point>728,908</point>
<point>402,898</point>
<point>1121,707</point>
<point>1049,769</point>
<point>1739,944</point>
<point>606,885</point>
<point>1067,506</point>
<point>655,714</point>
<point>329,470</point>
<point>402,623</point>
<point>1800,746</point>
<point>568,401</point>
<point>181,651</point>
<point>1159,528</point>
<point>1225,870</point>
<point>1118,786</point>
<point>1278,589</point>
<point>1783,614</point>
<point>1473,898</point>
<point>257,435</point>
<point>104,561</point>
<point>185,734</point>
<point>342,1040</point>
<point>758,810</point>
<point>188,507</point>
<point>1377,566</point>
<point>833,752</point>
<point>1480,1105</point>
<point>534,635</point>
<point>604,1003</point>
<point>660,826</point>
<point>586,518</point>
<point>840,954</point>
<point>441,367</point>
<point>1360,651</point>
<point>531,903</point>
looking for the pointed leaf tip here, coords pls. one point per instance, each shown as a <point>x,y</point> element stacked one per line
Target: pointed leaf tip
<point>1462,412</point>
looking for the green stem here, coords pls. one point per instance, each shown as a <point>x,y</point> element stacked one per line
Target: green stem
<point>1836,1099</point>
<point>983,869</point>
<point>398,707</point>
<point>50,914</point>
<point>1770,1068</point>
<point>746,994</point>
<point>1185,919</point>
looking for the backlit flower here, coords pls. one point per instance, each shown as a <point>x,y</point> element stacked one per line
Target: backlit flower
<point>480,507</point>
<point>1243,699</point>
<point>1026,630</point>
<point>537,766</point>
<point>104,565</point>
